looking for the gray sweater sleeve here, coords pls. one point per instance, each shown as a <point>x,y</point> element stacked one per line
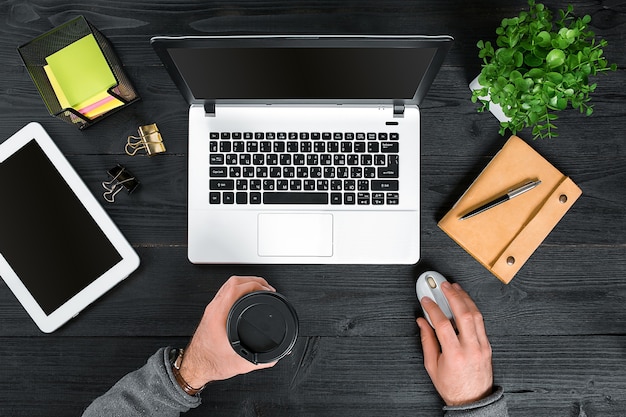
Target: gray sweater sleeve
<point>148,391</point>
<point>153,391</point>
<point>492,406</point>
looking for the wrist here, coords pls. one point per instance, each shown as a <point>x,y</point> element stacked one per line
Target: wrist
<point>468,399</point>
<point>185,376</point>
<point>495,397</point>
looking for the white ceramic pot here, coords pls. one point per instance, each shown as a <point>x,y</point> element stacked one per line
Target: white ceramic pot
<point>495,109</point>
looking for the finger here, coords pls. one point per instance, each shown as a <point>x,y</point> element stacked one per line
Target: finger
<point>461,306</point>
<point>443,327</point>
<point>240,279</point>
<point>234,284</point>
<point>430,346</point>
<point>245,288</point>
<point>266,365</point>
<point>479,322</point>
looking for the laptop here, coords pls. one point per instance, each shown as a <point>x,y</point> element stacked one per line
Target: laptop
<point>303,149</point>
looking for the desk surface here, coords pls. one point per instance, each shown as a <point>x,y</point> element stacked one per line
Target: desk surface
<point>557,329</point>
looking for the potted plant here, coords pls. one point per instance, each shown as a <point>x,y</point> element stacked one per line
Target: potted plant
<point>540,65</point>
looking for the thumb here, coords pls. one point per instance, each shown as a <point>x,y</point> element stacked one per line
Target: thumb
<point>430,346</point>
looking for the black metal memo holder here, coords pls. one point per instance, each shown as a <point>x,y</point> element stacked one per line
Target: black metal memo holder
<point>34,55</point>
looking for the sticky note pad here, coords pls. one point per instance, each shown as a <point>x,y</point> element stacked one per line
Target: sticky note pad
<point>81,70</point>
<point>58,91</point>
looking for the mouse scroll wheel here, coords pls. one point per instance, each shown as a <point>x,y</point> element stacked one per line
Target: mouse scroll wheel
<point>431,282</point>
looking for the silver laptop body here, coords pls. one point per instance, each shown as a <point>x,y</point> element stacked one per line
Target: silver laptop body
<point>303,149</point>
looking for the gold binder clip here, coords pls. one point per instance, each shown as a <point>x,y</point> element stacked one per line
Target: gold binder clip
<point>121,179</point>
<point>149,139</point>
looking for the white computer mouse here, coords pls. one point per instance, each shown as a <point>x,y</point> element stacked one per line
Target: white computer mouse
<point>429,285</point>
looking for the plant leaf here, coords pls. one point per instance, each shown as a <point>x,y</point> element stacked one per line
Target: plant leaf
<point>543,39</point>
<point>555,77</point>
<point>555,58</point>
<point>532,61</point>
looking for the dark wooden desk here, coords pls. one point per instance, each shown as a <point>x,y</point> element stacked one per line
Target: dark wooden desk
<point>557,330</point>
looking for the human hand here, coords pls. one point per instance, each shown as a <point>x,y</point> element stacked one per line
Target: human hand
<point>209,355</point>
<point>458,365</point>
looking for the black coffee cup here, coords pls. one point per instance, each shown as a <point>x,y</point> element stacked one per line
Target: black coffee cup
<point>262,327</point>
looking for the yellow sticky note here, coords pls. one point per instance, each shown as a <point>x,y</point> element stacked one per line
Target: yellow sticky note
<point>81,70</point>
<point>57,88</point>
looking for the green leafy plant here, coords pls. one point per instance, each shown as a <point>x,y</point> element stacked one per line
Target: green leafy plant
<point>540,65</point>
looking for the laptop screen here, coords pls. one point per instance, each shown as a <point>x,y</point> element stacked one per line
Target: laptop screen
<point>369,69</point>
<point>303,73</point>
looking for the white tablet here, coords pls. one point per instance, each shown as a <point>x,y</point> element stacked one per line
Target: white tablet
<point>59,249</point>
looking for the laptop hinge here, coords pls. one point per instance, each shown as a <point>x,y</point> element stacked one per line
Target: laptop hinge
<point>209,109</point>
<point>398,110</point>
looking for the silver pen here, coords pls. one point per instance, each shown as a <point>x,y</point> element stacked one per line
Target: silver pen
<point>501,199</point>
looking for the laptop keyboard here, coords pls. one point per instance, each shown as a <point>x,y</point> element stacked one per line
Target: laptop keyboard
<point>335,168</point>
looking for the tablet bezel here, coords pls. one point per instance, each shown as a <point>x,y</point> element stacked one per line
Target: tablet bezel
<point>129,262</point>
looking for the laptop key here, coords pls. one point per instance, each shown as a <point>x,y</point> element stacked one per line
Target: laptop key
<point>242,185</point>
<point>390,147</point>
<point>216,159</point>
<point>269,185</point>
<point>221,184</point>
<point>229,198</point>
<point>218,172</point>
<point>282,185</point>
<point>295,185</point>
<point>241,198</point>
<point>388,172</point>
<point>295,198</point>
<point>384,185</point>
<point>393,199</point>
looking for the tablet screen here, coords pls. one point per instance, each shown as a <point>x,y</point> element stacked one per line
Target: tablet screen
<point>46,234</point>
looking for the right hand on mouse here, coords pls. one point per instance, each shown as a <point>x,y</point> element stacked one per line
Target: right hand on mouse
<point>458,365</point>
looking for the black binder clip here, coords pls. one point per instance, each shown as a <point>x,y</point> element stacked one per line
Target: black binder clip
<point>121,179</point>
<point>149,139</point>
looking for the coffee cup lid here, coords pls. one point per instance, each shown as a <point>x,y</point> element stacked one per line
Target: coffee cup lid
<point>262,327</point>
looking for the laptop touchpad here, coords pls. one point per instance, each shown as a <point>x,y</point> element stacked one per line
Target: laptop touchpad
<point>295,234</point>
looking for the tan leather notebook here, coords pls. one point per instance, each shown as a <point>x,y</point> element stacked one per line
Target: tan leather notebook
<point>505,236</point>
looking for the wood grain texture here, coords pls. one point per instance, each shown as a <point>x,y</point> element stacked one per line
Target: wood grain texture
<point>338,376</point>
<point>557,330</point>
